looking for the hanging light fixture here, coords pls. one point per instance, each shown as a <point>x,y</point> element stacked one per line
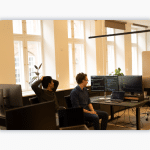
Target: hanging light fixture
<point>99,36</point>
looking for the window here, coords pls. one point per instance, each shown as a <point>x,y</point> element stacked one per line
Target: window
<point>76,49</point>
<point>19,68</point>
<point>110,51</point>
<point>33,27</point>
<point>17,26</point>
<point>27,50</point>
<point>78,29</point>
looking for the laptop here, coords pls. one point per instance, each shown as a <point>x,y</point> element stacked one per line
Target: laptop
<point>117,96</point>
<point>71,119</point>
<point>39,116</point>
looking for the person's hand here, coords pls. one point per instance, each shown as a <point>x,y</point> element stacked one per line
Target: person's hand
<point>42,77</point>
<point>93,112</point>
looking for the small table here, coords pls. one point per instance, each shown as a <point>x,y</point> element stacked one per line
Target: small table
<point>124,103</point>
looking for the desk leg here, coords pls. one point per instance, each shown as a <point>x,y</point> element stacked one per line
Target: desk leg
<point>138,118</point>
<point>112,112</point>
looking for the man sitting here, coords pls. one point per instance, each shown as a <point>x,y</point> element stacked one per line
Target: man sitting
<point>48,93</point>
<point>80,98</point>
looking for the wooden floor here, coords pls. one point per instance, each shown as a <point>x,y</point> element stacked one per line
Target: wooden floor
<point>127,121</point>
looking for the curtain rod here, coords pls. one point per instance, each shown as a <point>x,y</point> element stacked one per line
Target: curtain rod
<point>119,34</point>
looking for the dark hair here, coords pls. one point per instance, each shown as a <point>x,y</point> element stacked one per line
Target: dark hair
<point>80,76</point>
<point>46,80</point>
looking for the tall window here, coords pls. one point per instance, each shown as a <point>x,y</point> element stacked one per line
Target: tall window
<point>27,50</point>
<point>76,49</point>
<point>110,51</point>
<point>134,53</point>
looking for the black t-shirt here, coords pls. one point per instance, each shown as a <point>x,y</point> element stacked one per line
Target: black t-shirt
<point>45,95</point>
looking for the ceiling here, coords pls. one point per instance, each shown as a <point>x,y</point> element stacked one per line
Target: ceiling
<point>141,22</point>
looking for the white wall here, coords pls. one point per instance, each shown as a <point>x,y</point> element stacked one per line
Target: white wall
<point>7,63</point>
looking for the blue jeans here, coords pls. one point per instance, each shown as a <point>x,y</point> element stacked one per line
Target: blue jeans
<point>95,119</point>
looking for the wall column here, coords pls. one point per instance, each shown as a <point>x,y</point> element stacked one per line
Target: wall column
<point>101,49</point>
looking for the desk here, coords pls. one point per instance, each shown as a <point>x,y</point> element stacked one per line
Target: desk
<point>127,104</point>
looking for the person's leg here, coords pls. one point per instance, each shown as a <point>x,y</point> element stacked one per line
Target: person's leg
<point>104,116</point>
<point>92,118</point>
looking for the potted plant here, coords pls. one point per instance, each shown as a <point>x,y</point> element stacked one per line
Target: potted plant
<point>37,74</point>
<point>117,72</point>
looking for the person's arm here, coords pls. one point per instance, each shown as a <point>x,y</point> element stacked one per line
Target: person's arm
<point>56,83</point>
<point>92,109</point>
<point>75,101</point>
<point>86,111</point>
<point>35,87</point>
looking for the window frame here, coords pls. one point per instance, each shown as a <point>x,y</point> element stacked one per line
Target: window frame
<point>111,43</point>
<point>74,41</point>
<point>24,37</point>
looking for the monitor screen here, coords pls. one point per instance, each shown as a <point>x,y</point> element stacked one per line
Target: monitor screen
<point>97,83</point>
<point>104,83</point>
<point>131,84</point>
<point>111,83</point>
<point>12,95</point>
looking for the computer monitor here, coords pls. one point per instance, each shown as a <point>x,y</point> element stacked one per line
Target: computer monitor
<point>111,83</point>
<point>97,83</point>
<point>39,116</point>
<point>131,84</point>
<point>104,83</point>
<point>12,95</point>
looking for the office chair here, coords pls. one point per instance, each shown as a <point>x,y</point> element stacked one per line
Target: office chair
<point>34,100</point>
<point>69,105</point>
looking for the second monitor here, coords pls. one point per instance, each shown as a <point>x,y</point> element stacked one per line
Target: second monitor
<point>104,83</point>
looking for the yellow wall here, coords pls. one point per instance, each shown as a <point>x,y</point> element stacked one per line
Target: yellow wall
<point>61,53</point>
<point>7,64</point>
<point>128,52</point>
<point>100,47</point>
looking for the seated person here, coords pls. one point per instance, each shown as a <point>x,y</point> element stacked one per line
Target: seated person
<point>80,98</point>
<point>48,93</point>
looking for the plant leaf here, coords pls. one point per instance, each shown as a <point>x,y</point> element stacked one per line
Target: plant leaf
<point>36,67</point>
<point>37,73</point>
<point>40,65</point>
